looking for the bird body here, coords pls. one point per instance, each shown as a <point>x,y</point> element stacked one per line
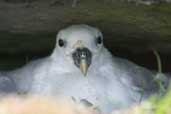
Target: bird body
<point>97,87</point>
<point>107,82</point>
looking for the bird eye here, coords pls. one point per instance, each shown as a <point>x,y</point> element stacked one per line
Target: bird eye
<point>61,42</point>
<point>99,40</point>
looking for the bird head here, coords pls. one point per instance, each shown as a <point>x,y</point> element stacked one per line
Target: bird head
<point>80,43</point>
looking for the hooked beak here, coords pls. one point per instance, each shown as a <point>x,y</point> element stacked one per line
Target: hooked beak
<point>82,59</point>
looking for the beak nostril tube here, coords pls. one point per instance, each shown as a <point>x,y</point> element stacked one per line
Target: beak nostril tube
<point>82,59</point>
<point>83,55</point>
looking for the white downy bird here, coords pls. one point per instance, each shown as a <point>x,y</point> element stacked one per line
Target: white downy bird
<point>82,68</point>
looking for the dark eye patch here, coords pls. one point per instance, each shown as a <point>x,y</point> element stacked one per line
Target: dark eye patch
<point>99,40</point>
<point>61,43</point>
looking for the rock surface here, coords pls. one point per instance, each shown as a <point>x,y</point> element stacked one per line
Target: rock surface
<point>29,27</point>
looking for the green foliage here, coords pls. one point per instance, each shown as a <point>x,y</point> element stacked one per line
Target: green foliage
<point>163,106</point>
<point>158,104</point>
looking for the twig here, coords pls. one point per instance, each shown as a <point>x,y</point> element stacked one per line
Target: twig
<point>158,60</point>
<point>158,79</point>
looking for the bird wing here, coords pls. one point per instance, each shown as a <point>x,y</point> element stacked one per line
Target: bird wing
<point>7,85</point>
<point>143,80</point>
<point>19,80</point>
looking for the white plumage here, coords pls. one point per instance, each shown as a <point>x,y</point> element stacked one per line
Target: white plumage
<point>110,82</point>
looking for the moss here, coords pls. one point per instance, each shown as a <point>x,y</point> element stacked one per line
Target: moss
<point>124,24</point>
